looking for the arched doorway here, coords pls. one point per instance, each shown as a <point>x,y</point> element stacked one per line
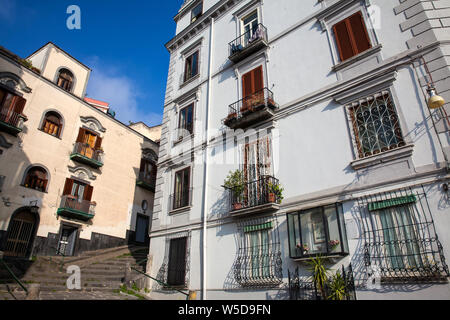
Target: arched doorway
<point>20,235</point>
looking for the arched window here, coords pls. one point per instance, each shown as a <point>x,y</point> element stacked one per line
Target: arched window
<point>52,124</point>
<point>65,79</point>
<point>36,178</point>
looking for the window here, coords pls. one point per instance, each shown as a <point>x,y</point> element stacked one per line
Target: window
<point>196,12</point>
<point>11,108</point>
<point>400,237</point>
<point>375,125</point>
<point>78,190</point>
<point>65,80</point>
<point>182,192</point>
<point>250,28</point>
<point>252,89</point>
<point>147,171</point>
<point>36,178</point>
<point>88,143</point>
<point>317,231</point>
<point>186,118</point>
<point>177,262</point>
<point>351,36</point>
<point>191,66</point>
<point>258,261</point>
<point>52,124</point>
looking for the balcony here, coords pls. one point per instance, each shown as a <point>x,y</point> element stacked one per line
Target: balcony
<point>252,109</point>
<point>181,200</point>
<point>146,181</point>
<point>11,122</point>
<point>83,153</point>
<point>72,207</point>
<point>254,197</point>
<point>248,43</point>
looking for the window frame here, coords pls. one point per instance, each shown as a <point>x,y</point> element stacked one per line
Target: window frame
<point>60,125</point>
<point>195,18</point>
<point>58,76</point>
<point>343,238</point>
<point>191,54</point>
<point>45,181</point>
<point>184,126</point>
<point>182,192</point>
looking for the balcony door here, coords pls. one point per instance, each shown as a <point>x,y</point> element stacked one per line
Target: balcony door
<point>249,27</point>
<point>79,195</point>
<point>252,89</point>
<point>257,165</point>
<point>11,106</point>
<point>90,142</point>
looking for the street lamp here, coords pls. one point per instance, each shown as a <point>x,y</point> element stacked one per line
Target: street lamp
<point>434,101</point>
<point>34,207</point>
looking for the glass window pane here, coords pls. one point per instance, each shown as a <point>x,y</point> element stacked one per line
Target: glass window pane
<point>334,242</point>
<point>313,231</point>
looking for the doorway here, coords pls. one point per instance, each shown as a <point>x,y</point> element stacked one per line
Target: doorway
<point>141,229</point>
<point>67,240</point>
<point>20,234</point>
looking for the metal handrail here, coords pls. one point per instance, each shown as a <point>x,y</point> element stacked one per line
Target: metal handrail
<point>259,32</point>
<point>87,151</point>
<point>159,281</point>
<point>13,118</point>
<point>14,276</point>
<point>71,202</point>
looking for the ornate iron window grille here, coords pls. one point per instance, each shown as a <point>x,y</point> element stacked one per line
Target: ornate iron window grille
<point>400,238</point>
<point>258,262</point>
<point>375,124</point>
<point>163,271</point>
<point>304,288</point>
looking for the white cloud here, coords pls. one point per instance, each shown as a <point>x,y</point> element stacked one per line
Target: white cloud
<point>108,84</point>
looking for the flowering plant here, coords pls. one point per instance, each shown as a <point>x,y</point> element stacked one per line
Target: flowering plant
<point>333,243</point>
<point>304,247</point>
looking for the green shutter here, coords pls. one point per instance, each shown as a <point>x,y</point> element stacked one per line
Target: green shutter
<point>392,202</point>
<point>264,226</point>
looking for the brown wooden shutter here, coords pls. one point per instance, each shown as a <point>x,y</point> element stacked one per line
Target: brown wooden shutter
<point>68,187</point>
<point>343,40</point>
<point>258,80</point>
<point>247,84</point>
<point>88,193</point>
<point>98,143</point>
<point>142,167</point>
<point>19,104</point>
<point>359,32</point>
<point>81,134</point>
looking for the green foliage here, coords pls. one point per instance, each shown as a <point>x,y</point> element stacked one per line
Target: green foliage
<point>26,63</point>
<point>337,287</point>
<point>320,273</point>
<point>235,181</point>
<point>277,190</point>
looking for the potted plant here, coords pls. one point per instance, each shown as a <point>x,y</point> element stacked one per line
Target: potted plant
<point>304,248</point>
<point>333,244</point>
<point>337,287</point>
<point>320,274</point>
<point>275,193</point>
<point>235,182</point>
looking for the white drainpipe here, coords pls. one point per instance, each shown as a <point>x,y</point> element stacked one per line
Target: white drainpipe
<point>205,171</point>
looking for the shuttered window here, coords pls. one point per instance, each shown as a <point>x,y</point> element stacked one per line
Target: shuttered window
<point>177,262</point>
<point>65,80</point>
<point>351,36</point>
<point>52,124</point>
<point>11,107</point>
<point>252,88</point>
<point>78,190</point>
<point>36,178</point>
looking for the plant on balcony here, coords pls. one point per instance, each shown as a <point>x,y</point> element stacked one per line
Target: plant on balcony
<point>28,64</point>
<point>275,192</point>
<point>235,182</point>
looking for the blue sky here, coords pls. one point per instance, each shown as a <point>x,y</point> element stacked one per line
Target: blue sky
<point>121,41</point>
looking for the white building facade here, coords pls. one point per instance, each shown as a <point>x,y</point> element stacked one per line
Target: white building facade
<point>327,99</point>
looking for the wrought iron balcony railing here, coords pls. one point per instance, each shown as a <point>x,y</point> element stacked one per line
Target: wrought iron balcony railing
<point>180,199</point>
<point>253,194</point>
<point>76,208</point>
<point>253,108</point>
<point>146,180</point>
<point>11,121</point>
<point>247,43</point>
<point>84,153</point>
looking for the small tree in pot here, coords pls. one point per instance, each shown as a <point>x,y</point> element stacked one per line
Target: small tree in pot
<point>275,193</point>
<point>235,182</point>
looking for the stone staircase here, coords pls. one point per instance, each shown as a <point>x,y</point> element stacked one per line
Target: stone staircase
<point>102,274</point>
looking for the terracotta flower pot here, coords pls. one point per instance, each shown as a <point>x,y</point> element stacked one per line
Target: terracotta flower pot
<point>237,206</point>
<point>271,197</point>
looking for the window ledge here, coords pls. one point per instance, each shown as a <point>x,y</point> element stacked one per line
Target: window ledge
<point>386,156</point>
<point>23,186</point>
<point>357,58</point>
<point>180,210</point>
<point>190,80</point>
<point>49,134</point>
